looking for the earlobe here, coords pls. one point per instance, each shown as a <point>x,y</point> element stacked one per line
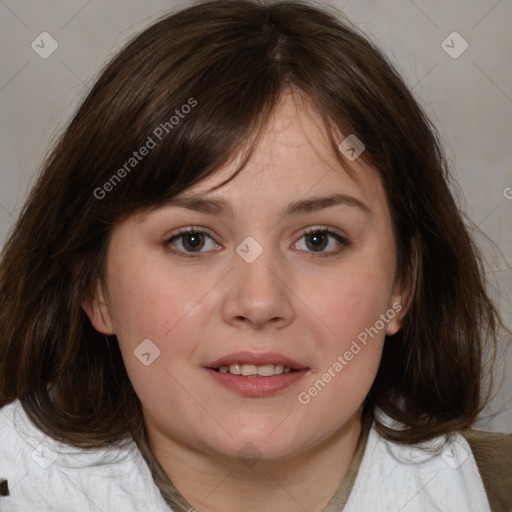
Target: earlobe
<point>404,290</point>
<point>97,311</point>
<point>395,314</point>
<point>394,325</point>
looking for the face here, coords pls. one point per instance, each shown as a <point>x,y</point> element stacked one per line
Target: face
<point>263,281</point>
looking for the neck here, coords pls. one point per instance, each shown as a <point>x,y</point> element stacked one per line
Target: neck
<point>213,483</point>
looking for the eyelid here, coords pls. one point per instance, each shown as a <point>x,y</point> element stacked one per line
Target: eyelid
<point>341,238</point>
<point>309,229</point>
<point>179,233</point>
<point>314,229</point>
<point>183,231</point>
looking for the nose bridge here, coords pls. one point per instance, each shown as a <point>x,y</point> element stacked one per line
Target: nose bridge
<point>259,294</point>
<point>256,263</point>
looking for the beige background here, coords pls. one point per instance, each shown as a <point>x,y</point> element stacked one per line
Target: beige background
<point>469,98</point>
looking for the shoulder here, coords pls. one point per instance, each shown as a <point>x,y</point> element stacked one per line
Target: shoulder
<point>18,442</point>
<point>441,474</point>
<point>493,455</point>
<point>44,474</point>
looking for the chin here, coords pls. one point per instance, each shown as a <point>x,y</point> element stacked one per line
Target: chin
<point>249,452</point>
<point>271,443</point>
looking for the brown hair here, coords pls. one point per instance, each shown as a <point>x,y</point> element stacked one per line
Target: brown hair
<point>234,58</point>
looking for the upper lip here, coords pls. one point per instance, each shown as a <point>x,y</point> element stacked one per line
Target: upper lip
<point>257,359</point>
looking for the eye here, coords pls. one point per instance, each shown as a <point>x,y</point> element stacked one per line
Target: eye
<point>317,239</point>
<point>191,240</point>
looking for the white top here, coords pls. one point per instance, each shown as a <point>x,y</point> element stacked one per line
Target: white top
<point>45,475</point>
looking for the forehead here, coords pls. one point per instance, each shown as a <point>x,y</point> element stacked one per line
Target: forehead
<point>293,159</point>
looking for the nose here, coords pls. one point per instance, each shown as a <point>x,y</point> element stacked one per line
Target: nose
<point>259,293</point>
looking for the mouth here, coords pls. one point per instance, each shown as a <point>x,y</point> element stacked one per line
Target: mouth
<point>255,364</point>
<point>251,370</point>
<point>254,374</point>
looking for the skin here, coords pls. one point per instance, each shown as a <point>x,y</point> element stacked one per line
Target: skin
<point>290,300</point>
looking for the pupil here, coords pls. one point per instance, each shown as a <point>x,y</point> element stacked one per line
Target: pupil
<point>193,236</point>
<point>319,240</point>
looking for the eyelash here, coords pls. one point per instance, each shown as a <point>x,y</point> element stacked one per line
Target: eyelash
<point>314,229</point>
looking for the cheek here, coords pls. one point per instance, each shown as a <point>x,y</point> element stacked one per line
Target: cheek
<point>352,306</point>
<point>149,300</point>
<point>352,303</point>
<point>351,352</point>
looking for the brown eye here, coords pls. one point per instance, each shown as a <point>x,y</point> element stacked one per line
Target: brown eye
<point>318,239</point>
<point>189,242</point>
<point>192,241</point>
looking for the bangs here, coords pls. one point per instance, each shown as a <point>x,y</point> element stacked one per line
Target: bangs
<point>186,126</point>
<point>193,105</point>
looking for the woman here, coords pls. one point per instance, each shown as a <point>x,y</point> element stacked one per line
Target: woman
<point>241,281</point>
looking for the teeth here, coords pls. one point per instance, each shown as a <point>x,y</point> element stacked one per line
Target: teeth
<point>248,369</point>
<point>235,369</point>
<point>251,370</point>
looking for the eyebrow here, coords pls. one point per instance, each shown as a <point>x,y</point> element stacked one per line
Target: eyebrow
<point>301,207</point>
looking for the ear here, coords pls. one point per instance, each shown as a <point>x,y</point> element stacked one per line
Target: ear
<point>395,313</point>
<point>97,311</point>
<point>403,292</point>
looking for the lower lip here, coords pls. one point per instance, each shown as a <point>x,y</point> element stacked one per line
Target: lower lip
<point>257,386</point>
